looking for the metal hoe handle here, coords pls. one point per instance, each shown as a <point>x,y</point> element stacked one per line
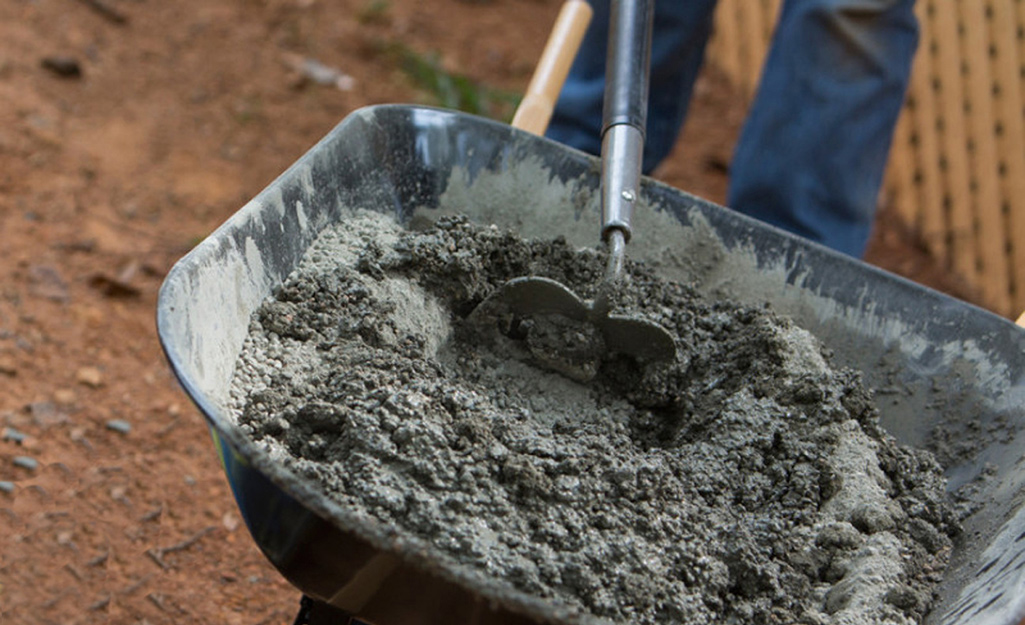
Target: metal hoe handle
<point>625,112</point>
<point>622,141</point>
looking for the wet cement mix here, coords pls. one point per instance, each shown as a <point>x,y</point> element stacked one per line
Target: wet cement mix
<point>748,481</point>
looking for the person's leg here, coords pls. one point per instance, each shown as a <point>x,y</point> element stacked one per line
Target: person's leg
<point>680,32</point>
<point>811,156</point>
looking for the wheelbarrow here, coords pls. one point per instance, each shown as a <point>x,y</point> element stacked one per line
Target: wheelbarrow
<point>949,376</point>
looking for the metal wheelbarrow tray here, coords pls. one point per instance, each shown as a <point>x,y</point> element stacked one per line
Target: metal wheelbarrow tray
<point>946,373</point>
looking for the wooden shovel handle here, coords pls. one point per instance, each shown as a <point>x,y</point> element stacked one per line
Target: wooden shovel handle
<point>535,110</point>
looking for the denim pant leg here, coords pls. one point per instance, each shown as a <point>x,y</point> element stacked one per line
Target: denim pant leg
<point>812,152</point>
<point>680,32</point>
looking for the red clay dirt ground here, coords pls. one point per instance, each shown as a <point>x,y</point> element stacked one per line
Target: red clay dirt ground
<point>179,113</point>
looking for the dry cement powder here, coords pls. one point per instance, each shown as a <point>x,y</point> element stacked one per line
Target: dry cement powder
<point>746,482</point>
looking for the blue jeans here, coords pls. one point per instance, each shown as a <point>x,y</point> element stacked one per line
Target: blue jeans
<point>811,156</point>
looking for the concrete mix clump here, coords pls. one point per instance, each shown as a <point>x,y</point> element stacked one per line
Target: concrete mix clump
<point>746,482</point>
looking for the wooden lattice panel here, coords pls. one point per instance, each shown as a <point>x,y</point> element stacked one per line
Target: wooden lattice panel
<point>957,169</point>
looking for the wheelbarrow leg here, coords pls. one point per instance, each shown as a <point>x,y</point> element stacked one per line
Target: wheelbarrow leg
<point>313,612</point>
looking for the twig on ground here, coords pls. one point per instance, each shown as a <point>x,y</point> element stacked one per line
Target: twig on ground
<point>157,554</point>
<point>136,585</point>
<point>106,10</point>
<point>99,559</point>
<point>153,514</point>
<point>70,568</point>
<point>158,600</point>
